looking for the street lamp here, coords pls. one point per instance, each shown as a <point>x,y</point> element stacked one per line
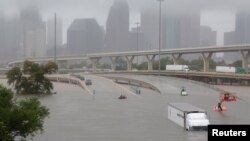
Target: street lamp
<point>55,40</point>
<point>159,67</point>
<point>137,42</point>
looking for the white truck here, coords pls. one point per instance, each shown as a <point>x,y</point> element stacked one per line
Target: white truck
<point>188,116</point>
<point>177,68</point>
<point>225,69</point>
<point>228,69</point>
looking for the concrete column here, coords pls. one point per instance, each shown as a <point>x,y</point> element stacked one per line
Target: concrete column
<point>129,62</point>
<point>150,61</point>
<point>245,59</point>
<point>206,58</point>
<point>176,58</point>
<point>113,63</point>
<point>94,62</point>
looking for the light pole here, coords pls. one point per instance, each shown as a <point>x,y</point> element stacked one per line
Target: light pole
<point>55,41</point>
<point>159,67</point>
<point>137,42</point>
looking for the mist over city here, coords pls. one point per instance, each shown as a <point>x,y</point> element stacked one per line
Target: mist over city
<point>124,70</point>
<point>114,24</point>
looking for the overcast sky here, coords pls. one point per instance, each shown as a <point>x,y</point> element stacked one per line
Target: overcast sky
<point>218,14</point>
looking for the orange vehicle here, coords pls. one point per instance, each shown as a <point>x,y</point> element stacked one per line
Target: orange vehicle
<point>224,97</point>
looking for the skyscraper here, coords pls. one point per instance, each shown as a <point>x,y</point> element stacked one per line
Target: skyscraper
<point>117,27</point>
<point>32,33</point>
<point>208,36</point>
<point>190,29</point>
<point>2,44</point>
<point>172,28</point>
<point>84,36</point>
<point>179,30</point>
<point>150,26</point>
<point>241,35</point>
<point>1,30</point>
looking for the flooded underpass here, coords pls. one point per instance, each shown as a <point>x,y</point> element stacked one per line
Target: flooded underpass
<point>77,115</point>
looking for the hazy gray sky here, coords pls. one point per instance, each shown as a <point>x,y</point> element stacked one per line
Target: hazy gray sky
<point>219,14</point>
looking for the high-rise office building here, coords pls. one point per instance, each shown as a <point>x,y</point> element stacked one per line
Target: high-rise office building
<point>2,44</point>
<point>241,35</point>
<point>179,30</point>
<point>190,30</point>
<point>84,36</point>
<point>208,36</point>
<point>150,26</point>
<point>172,27</point>
<point>1,30</point>
<point>32,33</point>
<point>11,39</point>
<point>117,27</point>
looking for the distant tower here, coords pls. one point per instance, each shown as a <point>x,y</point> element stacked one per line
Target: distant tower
<point>150,26</point>
<point>1,30</point>
<point>2,44</point>
<point>208,36</point>
<point>84,36</point>
<point>32,33</point>
<point>241,35</point>
<point>117,27</point>
<point>190,29</point>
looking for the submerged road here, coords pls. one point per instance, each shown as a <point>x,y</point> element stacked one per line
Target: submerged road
<point>77,115</point>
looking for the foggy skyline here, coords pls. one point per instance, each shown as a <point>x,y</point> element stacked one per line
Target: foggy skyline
<point>219,15</point>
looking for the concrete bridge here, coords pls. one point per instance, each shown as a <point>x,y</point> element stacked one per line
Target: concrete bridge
<point>205,52</point>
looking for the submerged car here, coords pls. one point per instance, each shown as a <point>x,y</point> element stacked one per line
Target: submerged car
<point>88,82</point>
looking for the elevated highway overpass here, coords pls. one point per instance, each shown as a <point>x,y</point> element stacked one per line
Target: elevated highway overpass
<point>205,52</point>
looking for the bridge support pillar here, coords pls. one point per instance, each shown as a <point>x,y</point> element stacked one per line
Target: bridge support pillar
<point>150,61</point>
<point>206,58</point>
<point>113,63</point>
<point>245,59</point>
<point>94,62</point>
<point>176,58</point>
<point>129,62</point>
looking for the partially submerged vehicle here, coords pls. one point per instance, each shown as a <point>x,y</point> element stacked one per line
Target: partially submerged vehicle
<point>188,116</point>
<point>122,96</point>
<point>224,97</point>
<point>183,91</point>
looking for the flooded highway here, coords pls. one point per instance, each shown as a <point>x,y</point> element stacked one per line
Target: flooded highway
<point>77,115</point>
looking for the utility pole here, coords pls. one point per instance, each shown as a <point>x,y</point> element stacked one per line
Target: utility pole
<point>159,54</point>
<point>55,41</point>
<point>137,39</point>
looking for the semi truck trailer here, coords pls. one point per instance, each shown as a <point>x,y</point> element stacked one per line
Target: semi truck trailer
<point>228,69</point>
<point>188,116</point>
<point>177,68</point>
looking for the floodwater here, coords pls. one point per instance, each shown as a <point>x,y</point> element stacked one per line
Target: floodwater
<point>77,115</point>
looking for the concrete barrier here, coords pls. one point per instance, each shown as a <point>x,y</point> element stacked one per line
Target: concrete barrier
<point>68,79</point>
<point>133,82</point>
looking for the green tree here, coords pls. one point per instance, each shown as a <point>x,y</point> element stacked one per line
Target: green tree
<point>31,79</point>
<point>50,67</point>
<point>237,63</point>
<point>196,64</point>
<point>20,118</point>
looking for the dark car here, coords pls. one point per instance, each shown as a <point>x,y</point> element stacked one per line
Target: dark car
<point>82,78</point>
<point>88,82</point>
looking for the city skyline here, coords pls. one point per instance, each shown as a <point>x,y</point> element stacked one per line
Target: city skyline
<point>214,13</point>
